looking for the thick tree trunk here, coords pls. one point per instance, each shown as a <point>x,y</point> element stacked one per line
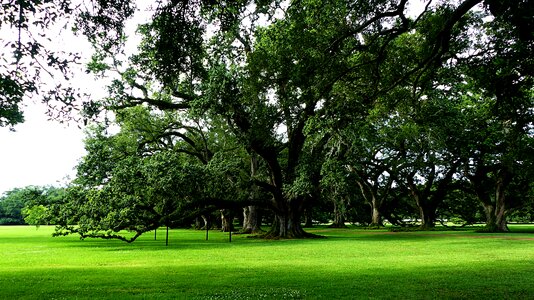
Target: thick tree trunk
<point>376,217</point>
<point>287,211</point>
<point>427,198</point>
<point>251,220</point>
<point>339,218</point>
<point>495,218</point>
<point>206,222</point>
<point>428,216</point>
<point>427,212</point>
<point>495,210</point>
<point>287,223</point>
<point>198,223</point>
<point>489,210</point>
<point>227,220</point>
<point>251,216</point>
<point>308,218</point>
<point>500,201</point>
<point>246,216</point>
<point>481,187</point>
<point>370,194</point>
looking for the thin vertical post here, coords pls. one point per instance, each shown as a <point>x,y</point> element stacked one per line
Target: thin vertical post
<point>167,237</point>
<point>155,234</point>
<point>230,235</point>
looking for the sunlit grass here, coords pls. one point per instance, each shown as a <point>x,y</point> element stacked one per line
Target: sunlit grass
<point>349,264</point>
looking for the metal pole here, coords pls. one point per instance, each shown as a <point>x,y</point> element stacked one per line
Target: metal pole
<point>167,237</point>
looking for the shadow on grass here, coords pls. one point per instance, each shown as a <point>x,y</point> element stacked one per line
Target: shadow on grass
<point>522,228</point>
<point>195,240</point>
<point>349,264</point>
<point>212,281</point>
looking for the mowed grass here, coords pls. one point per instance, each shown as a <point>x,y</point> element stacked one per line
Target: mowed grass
<point>348,264</point>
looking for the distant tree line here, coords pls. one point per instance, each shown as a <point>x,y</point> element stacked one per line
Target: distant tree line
<point>30,205</point>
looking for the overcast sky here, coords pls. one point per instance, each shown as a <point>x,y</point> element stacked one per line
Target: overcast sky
<point>40,152</point>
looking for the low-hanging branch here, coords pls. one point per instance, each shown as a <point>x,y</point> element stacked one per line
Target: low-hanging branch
<point>106,235</point>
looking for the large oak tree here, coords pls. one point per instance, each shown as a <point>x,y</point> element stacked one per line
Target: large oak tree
<point>279,71</point>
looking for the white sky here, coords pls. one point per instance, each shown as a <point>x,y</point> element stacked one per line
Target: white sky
<point>40,152</point>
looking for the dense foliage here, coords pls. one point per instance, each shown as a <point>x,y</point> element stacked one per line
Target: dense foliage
<point>359,111</point>
<point>30,205</point>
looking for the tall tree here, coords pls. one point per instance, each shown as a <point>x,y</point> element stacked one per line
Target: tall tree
<point>307,61</point>
<point>155,172</point>
<point>499,89</point>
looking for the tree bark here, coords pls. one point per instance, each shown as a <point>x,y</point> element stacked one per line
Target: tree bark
<point>489,210</point>
<point>251,220</point>
<point>198,223</point>
<point>428,214</point>
<point>339,218</point>
<point>287,225</point>
<point>376,217</point>
<point>251,217</point>
<point>206,222</point>
<point>371,195</point>
<point>286,222</point>
<point>500,201</point>
<point>308,218</point>
<point>227,220</point>
<point>496,210</point>
<point>427,198</point>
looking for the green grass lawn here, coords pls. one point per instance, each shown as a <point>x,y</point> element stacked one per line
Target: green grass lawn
<point>348,264</point>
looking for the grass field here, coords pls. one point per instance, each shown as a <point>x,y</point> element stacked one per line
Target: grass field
<point>348,264</point>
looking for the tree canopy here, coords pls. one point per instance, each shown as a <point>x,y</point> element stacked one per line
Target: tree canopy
<point>294,105</point>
